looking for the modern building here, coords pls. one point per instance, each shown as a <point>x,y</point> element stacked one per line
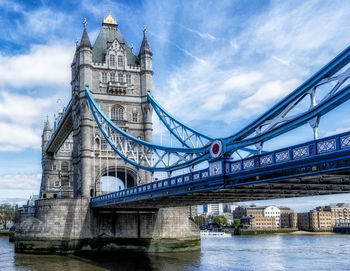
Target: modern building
<point>265,217</point>
<point>213,209</point>
<point>289,219</point>
<point>324,217</point>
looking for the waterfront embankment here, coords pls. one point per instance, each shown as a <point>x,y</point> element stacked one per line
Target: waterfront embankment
<point>285,231</point>
<point>4,232</point>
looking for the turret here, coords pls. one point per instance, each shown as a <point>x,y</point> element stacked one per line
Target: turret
<point>145,54</point>
<point>145,57</point>
<point>85,60</point>
<point>46,132</point>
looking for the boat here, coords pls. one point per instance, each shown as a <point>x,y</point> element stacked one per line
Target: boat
<point>206,233</point>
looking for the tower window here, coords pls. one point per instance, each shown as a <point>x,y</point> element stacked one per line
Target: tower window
<point>104,77</point>
<point>103,145</point>
<point>120,61</point>
<point>111,60</point>
<point>112,77</point>
<point>64,166</point>
<point>120,78</point>
<point>128,79</point>
<point>117,113</point>
<point>134,117</point>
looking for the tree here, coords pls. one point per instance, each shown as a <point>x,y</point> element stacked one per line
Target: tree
<point>236,222</point>
<point>220,220</point>
<point>7,214</point>
<point>199,220</point>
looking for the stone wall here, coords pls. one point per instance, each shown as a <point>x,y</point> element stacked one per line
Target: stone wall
<point>69,226</point>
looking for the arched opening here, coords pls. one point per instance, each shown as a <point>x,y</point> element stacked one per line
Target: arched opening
<point>112,182</point>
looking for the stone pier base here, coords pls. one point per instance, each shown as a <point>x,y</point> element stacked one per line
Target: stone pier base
<point>70,226</point>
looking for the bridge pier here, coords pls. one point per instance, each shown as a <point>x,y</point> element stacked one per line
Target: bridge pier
<point>66,226</point>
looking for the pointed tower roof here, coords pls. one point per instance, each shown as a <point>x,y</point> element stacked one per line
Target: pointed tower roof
<point>144,45</point>
<point>85,41</point>
<point>109,33</point>
<point>47,126</point>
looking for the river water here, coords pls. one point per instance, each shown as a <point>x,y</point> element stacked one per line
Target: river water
<point>267,252</point>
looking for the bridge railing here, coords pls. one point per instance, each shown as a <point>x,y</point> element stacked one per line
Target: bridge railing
<point>195,176</point>
<point>278,157</point>
<point>296,152</point>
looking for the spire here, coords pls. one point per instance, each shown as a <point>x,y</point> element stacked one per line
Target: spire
<point>109,19</point>
<point>47,124</point>
<point>144,45</point>
<point>85,41</point>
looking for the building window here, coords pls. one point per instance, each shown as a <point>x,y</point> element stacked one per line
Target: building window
<point>111,60</point>
<point>104,77</point>
<point>117,113</point>
<point>54,167</point>
<point>120,78</point>
<point>57,183</point>
<point>112,77</point>
<point>120,61</point>
<point>65,181</point>
<point>64,166</point>
<point>128,79</point>
<point>103,145</point>
<point>134,117</point>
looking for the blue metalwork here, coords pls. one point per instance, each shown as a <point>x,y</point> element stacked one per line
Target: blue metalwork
<point>326,150</point>
<point>275,120</point>
<point>182,132</point>
<point>142,154</point>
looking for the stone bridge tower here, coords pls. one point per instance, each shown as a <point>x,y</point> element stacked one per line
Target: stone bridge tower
<point>119,81</point>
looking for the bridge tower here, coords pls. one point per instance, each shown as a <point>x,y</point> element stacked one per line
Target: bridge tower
<point>119,81</point>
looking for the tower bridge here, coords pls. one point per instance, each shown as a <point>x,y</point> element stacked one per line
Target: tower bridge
<point>106,132</point>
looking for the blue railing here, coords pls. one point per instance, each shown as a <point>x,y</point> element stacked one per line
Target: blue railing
<point>297,152</point>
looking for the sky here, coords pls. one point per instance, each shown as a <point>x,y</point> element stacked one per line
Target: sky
<point>217,66</point>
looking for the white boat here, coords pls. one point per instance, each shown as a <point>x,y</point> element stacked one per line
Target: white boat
<point>206,233</point>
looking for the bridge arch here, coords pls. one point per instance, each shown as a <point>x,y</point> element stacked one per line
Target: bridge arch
<point>114,179</point>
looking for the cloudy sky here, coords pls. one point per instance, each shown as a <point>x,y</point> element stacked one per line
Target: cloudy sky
<point>217,66</point>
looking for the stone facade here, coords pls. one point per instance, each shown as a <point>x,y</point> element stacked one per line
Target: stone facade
<point>63,221</point>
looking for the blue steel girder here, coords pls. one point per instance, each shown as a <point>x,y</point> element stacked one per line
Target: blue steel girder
<point>184,134</point>
<point>281,169</point>
<point>142,154</point>
<point>279,119</point>
<point>187,136</point>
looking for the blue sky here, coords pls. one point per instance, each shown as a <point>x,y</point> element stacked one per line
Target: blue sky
<point>217,66</point>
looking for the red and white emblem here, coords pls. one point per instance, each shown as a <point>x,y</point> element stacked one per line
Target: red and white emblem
<point>216,148</point>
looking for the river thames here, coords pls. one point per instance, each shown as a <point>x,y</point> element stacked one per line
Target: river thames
<point>267,252</point>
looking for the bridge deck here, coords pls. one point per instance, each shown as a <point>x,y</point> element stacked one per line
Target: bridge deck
<point>314,168</point>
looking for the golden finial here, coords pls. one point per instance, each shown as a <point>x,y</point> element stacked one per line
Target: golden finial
<point>109,19</point>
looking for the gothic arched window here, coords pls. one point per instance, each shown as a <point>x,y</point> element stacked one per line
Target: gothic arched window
<point>117,113</point>
<point>120,77</point>
<point>111,60</point>
<point>120,61</point>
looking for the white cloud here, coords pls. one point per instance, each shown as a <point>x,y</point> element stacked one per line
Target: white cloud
<point>263,97</point>
<point>20,181</point>
<point>245,72</point>
<point>201,34</point>
<point>43,65</point>
<point>21,120</point>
